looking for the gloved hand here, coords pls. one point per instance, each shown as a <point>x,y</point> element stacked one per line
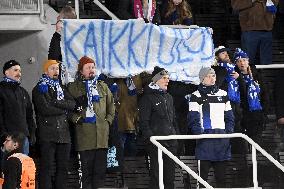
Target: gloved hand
<point>81,103</point>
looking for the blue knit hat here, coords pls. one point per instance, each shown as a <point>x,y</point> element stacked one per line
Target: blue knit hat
<point>239,53</point>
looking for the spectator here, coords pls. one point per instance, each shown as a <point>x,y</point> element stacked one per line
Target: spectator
<point>94,114</point>
<point>129,90</point>
<point>52,104</point>
<point>157,117</point>
<point>253,99</point>
<point>16,112</point>
<point>178,12</point>
<point>54,52</point>
<point>19,169</point>
<point>210,113</point>
<point>256,20</point>
<point>227,80</point>
<point>150,13</point>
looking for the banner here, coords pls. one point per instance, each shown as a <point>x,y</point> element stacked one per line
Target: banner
<point>128,47</point>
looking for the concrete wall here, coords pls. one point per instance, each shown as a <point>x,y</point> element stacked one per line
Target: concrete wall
<point>21,45</point>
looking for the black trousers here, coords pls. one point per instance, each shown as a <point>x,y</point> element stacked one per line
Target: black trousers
<point>50,152</point>
<point>94,163</point>
<point>169,167</point>
<point>219,171</point>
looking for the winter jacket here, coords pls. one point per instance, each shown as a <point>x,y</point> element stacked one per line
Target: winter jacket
<point>179,90</point>
<point>253,16</point>
<point>51,115</point>
<point>221,74</point>
<point>16,112</point>
<point>210,113</point>
<point>127,108</point>
<point>157,115</point>
<point>12,169</point>
<point>89,136</point>
<point>54,52</point>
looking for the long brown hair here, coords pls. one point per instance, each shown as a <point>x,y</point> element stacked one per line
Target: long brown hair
<point>183,9</point>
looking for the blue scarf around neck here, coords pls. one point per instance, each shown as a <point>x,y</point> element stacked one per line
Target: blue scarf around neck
<point>93,96</point>
<point>233,85</point>
<point>253,93</point>
<point>9,80</point>
<point>45,82</point>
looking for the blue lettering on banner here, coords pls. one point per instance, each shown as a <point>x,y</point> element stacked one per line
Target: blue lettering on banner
<point>123,48</point>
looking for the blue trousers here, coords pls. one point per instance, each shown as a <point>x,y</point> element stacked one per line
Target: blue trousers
<point>254,42</point>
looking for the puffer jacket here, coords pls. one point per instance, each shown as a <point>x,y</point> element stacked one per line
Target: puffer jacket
<point>16,112</point>
<point>253,16</point>
<point>51,115</point>
<point>210,112</point>
<point>89,136</point>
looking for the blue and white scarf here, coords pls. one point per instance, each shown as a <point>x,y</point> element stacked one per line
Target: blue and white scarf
<point>93,96</point>
<point>270,7</point>
<point>233,85</point>
<point>253,94</point>
<point>8,80</point>
<point>131,86</point>
<point>45,82</point>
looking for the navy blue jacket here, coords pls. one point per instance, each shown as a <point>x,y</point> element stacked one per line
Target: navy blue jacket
<point>210,113</point>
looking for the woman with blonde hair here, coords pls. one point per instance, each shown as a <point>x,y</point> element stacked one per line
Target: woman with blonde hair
<point>178,12</point>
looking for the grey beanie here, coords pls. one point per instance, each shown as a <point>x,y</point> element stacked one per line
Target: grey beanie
<point>204,72</point>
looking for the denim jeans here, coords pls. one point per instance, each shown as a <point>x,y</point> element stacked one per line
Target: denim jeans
<point>50,152</point>
<point>254,42</point>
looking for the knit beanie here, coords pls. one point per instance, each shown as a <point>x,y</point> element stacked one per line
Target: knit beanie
<point>84,60</point>
<point>10,64</point>
<point>48,63</point>
<point>239,53</point>
<point>220,49</point>
<point>158,73</point>
<point>204,72</point>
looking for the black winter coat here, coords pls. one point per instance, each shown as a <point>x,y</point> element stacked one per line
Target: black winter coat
<point>157,115</point>
<point>16,112</point>
<point>51,115</point>
<point>54,52</point>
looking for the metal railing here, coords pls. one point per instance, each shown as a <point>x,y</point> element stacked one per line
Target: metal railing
<point>99,4</point>
<point>162,149</point>
<point>20,6</point>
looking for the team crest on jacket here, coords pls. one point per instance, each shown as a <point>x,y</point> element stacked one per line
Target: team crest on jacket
<point>219,98</point>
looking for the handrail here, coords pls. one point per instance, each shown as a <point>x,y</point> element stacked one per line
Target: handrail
<point>270,66</point>
<point>105,10</point>
<point>255,147</point>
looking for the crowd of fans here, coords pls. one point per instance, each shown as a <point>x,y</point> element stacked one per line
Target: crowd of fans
<point>231,97</point>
